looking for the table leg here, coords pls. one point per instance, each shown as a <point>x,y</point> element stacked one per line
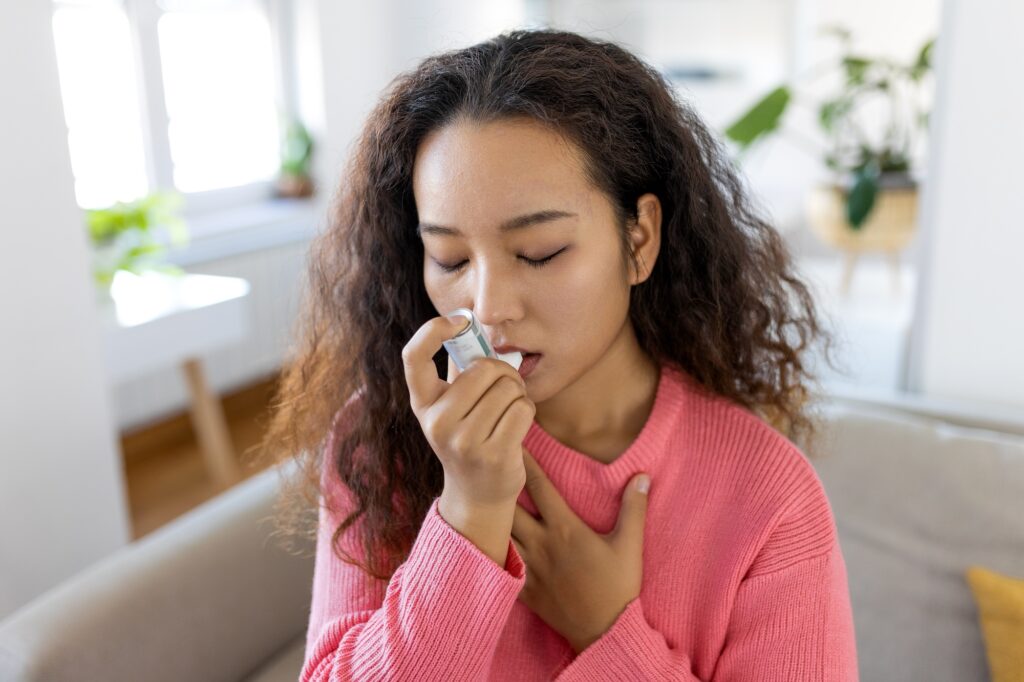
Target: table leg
<point>211,428</point>
<point>849,262</point>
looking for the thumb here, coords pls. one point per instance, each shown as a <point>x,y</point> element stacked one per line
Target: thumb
<point>629,530</point>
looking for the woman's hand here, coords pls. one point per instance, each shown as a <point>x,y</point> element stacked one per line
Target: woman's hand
<point>578,581</point>
<point>475,423</point>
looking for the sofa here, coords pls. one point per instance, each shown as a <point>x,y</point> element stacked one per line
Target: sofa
<point>209,596</point>
<point>920,491</point>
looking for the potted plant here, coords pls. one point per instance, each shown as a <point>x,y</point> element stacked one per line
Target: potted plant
<point>871,202</point>
<point>296,154</point>
<point>124,236</point>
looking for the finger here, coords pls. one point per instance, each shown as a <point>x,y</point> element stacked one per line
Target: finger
<point>418,359</point>
<point>525,527</point>
<point>542,491</point>
<point>514,423</point>
<point>519,548</point>
<point>475,382</point>
<point>483,418</point>
<point>629,528</point>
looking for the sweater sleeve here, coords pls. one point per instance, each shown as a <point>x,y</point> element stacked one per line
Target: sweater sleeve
<point>794,625</point>
<point>439,616</point>
<point>629,650</point>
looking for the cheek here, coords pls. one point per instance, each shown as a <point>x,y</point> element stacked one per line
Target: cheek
<point>591,302</point>
<point>440,295</point>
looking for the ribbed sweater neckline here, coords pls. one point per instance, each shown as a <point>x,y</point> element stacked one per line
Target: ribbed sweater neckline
<point>557,458</point>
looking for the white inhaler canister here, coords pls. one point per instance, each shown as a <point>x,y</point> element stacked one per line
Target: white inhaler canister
<point>472,343</point>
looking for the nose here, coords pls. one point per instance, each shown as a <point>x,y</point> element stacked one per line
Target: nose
<point>497,298</point>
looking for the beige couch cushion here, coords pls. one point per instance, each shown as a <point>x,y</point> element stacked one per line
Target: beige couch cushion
<point>917,501</point>
<point>208,597</point>
<point>285,666</point>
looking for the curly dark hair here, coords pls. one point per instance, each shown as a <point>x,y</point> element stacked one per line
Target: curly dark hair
<point>722,302</point>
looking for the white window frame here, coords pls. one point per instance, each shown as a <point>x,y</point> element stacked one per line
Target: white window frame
<point>201,209</point>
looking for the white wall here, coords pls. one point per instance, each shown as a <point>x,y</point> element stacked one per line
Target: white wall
<point>62,500</point>
<point>970,334</point>
<point>363,46</point>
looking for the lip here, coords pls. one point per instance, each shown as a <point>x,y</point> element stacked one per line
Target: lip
<point>509,349</point>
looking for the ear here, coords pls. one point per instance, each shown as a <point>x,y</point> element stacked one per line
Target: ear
<point>645,236</point>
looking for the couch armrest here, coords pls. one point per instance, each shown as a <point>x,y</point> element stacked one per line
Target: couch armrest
<point>207,597</point>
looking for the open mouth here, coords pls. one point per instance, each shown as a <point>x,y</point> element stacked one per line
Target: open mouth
<point>530,361</point>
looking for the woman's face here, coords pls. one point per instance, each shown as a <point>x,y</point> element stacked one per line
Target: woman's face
<point>553,284</point>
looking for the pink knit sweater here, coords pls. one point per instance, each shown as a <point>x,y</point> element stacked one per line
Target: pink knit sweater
<point>743,578</point>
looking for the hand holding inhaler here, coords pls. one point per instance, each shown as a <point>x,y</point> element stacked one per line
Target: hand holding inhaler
<point>475,423</point>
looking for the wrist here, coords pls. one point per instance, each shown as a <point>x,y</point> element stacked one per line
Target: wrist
<point>489,527</point>
<point>481,513</point>
<point>581,641</point>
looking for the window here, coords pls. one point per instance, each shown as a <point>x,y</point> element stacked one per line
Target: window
<point>101,105</point>
<point>172,94</point>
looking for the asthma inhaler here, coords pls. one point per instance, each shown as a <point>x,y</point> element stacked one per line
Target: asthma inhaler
<point>472,343</point>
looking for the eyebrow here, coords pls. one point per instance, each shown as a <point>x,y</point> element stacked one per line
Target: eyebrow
<point>518,223</point>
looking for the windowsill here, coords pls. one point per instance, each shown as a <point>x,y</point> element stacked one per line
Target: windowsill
<point>253,227</point>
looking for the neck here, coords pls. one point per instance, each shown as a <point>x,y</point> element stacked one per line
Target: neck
<point>601,412</point>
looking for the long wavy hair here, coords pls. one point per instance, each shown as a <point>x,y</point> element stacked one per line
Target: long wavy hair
<point>722,302</point>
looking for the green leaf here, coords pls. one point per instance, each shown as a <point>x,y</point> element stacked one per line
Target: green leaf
<point>136,253</point>
<point>760,119</point>
<point>296,149</point>
<point>136,221</point>
<point>169,269</point>
<point>833,110</point>
<point>893,162</point>
<point>923,63</point>
<point>861,198</point>
<point>856,69</point>
<point>840,32</point>
<point>178,230</point>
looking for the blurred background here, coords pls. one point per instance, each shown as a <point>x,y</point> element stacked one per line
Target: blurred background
<point>165,163</point>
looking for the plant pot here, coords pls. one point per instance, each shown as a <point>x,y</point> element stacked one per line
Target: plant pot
<point>294,186</point>
<point>889,227</point>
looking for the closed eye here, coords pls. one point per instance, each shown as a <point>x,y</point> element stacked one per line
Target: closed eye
<point>538,263</point>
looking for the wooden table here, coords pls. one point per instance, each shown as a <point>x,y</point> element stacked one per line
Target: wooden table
<point>156,320</point>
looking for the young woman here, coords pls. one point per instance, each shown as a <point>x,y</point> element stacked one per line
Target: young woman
<point>627,505</point>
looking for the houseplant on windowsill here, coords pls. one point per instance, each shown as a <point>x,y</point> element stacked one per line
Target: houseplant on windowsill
<point>296,155</point>
<point>124,237</point>
<point>871,202</point>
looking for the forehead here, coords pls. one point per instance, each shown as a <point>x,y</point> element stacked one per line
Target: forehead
<point>472,172</point>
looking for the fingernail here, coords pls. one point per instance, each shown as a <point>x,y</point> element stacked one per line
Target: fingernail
<point>460,320</point>
<point>643,484</point>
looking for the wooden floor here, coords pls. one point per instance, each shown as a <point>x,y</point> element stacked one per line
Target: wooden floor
<point>164,468</point>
